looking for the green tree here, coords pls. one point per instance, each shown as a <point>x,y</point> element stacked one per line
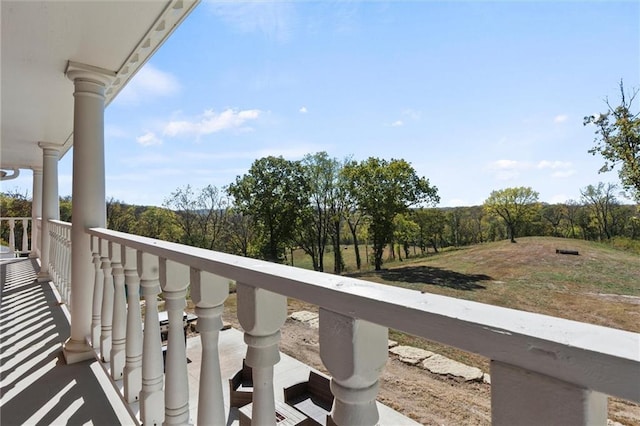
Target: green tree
<point>273,193</point>
<point>322,216</point>
<point>160,223</point>
<point>618,140</point>
<point>431,223</point>
<point>382,189</point>
<point>514,206</point>
<point>601,202</point>
<point>120,216</point>
<point>406,233</point>
<point>553,214</point>
<point>13,204</point>
<point>200,214</point>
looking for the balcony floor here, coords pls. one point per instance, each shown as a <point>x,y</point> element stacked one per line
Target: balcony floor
<point>38,387</point>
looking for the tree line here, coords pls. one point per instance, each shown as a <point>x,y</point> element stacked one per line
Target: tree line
<point>321,204</point>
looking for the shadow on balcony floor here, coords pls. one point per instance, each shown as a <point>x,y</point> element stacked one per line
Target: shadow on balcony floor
<point>36,386</point>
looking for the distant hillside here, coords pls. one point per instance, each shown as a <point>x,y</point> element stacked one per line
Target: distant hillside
<point>601,285</point>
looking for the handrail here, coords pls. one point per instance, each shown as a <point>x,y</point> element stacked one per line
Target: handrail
<point>588,356</point>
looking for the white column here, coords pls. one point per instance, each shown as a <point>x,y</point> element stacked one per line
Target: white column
<point>355,352</point>
<point>36,212</point>
<point>209,292</point>
<point>50,203</point>
<point>89,209</point>
<point>528,398</point>
<point>261,314</point>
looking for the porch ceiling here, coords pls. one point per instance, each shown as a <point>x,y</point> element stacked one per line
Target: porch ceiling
<point>40,37</point>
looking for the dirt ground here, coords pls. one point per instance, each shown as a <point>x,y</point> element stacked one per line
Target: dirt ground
<point>427,398</point>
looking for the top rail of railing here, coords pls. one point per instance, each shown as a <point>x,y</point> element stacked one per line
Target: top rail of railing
<point>593,357</point>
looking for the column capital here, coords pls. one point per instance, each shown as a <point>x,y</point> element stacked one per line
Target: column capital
<point>77,71</point>
<point>50,145</point>
<point>36,169</point>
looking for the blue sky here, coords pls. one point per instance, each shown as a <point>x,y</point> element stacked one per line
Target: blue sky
<point>477,96</point>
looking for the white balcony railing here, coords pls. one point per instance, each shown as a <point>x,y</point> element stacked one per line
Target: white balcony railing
<point>60,257</point>
<point>567,368</point>
<point>18,241</point>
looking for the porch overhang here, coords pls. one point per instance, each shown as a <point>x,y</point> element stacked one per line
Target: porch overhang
<point>39,38</point>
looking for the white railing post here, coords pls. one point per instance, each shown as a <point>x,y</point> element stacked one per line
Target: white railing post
<point>355,352</point>
<point>151,395</point>
<point>51,267</point>
<point>119,336</point>
<point>106,310</point>
<point>174,279</point>
<point>65,246</point>
<point>25,236</point>
<point>133,366</point>
<point>12,236</point>
<point>525,397</point>
<point>261,314</point>
<point>98,285</point>
<point>55,263</point>
<point>209,292</point>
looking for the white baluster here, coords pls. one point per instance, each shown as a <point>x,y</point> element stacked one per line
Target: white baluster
<point>525,397</point>
<point>66,260</point>
<point>261,314</point>
<point>52,254</point>
<point>209,292</point>
<point>119,337</point>
<point>25,236</point>
<point>355,352</point>
<point>12,236</point>
<point>133,366</point>
<point>106,311</point>
<point>174,279</point>
<point>151,396</point>
<point>97,294</point>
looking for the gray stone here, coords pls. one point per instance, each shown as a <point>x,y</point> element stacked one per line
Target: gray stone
<point>439,364</point>
<point>486,378</point>
<point>410,355</point>
<point>304,316</point>
<point>392,344</point>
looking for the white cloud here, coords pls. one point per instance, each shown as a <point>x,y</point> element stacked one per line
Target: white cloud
<point>212,122</point>
<point>149,83</point>
<point>560,118</point>
<point>303,110</point>
<point>397,123</point>
<point>149,139</point>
